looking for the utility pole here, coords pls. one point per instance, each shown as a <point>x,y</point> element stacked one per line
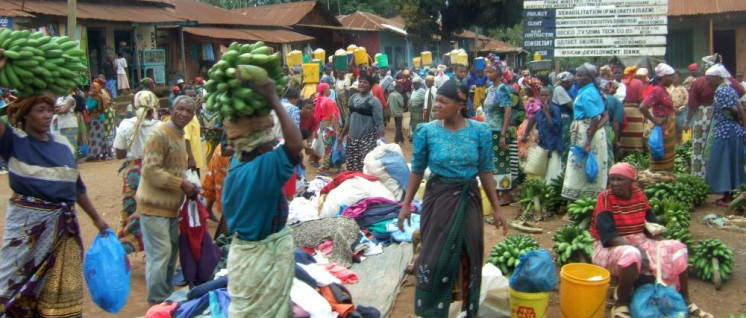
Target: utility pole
<point>72,19</point>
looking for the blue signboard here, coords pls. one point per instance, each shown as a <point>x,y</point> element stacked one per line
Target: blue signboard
<point>540,14</point>
<point>6,22</point>
<point>532,34</point>
<point>539,23</point>
<point>540,43</point>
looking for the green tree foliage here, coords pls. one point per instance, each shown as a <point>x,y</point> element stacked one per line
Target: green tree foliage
<point>384,8</point>
<point>512,35</point>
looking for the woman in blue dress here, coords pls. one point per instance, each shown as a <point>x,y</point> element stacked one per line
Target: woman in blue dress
<point>457,151</point>
<point>727,171</point>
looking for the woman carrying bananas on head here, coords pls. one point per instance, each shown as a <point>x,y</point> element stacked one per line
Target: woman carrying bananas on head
<point>627,238</point>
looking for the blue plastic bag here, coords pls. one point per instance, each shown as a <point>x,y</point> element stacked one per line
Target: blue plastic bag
<point>656,143</point>
<point>591,168</point>
<point>107,272</point>
<point>655,300</point>
<point>338,153</point>
<point>535,273</point>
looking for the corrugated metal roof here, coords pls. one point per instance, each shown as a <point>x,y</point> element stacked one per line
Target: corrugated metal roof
<point>499,47</point>
<point>269,36</point>
<point>7,12</point>
<point>97,11</point>
<point>692,7</point>
<point>367,21</point>
<point>287,14</point>
<point>207,14</point>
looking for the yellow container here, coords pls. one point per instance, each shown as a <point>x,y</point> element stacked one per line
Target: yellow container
<point>351,48</point>
<point>361,56</point>
<point>420,195</point>
<point>319,54</point>
<point>311,73</point>
<point>686,135</point>
<point>462,58</point>
<point>537,57</point>
<point>295,58</point>
<point>486,206</point>
<point>427,57</point>
<point>525,305</point>
<point>587,282</point>
<point>417,62</point>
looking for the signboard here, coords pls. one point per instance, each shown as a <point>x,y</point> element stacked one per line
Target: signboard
<point>595,27</point>
<point>146,38</point>
<point>6,22</point>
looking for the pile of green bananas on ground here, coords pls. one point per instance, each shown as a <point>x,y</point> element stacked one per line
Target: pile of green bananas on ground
<point>36,62</point>
<point>711,260</point>
<point>638,159</point>
<point>532,197</point>
<point>507,254</point>
<point>698,187</point>
<point>683,158</point>
<point>581,211</point>
<point>670,212</point>
<point>573,245</point>
<point>553,200</point>
<point>680,234</point>
<point>689,190</point>
<point>241,63</point>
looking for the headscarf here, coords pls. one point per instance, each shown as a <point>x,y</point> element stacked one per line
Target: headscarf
<point>663,69</point>
<point>453,90</point>
<point>145,101</point>
<point>96,87</point>
<point>199,81</point>
<point>693,67</point>
<point>442,68</point>
<point>100,81</point>
<point>588,69</point>
<point>711,60</point>
<point>718,70</point>
<point>624,169</point>
<point>565,77</point>
<point>417,79</point>
<point>430,78</point>
<point>605,70</point>
<point>629,74</point>
<point>247,133</point>
<point>533,84</point>
<point>320,99</point>
<point>507,77</point>
<point>22,106</point>
<point>145,82</point>
<point>644,73</point>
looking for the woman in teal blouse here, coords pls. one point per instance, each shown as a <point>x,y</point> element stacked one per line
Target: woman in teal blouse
<point>457,150</point>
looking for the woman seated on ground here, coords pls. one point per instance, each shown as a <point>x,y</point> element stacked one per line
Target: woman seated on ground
<point>627,249</point>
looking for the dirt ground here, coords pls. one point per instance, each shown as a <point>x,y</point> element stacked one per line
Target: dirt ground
<point>104,188</point>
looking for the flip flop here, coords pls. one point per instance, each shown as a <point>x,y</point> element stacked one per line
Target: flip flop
<point>721,203</point>
<point>620,312</point>
<point>695,312</point>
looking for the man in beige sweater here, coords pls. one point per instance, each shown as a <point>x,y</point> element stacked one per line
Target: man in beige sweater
<point>160,195</point>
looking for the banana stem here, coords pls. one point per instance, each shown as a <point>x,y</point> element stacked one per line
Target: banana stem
<point>716,278</point>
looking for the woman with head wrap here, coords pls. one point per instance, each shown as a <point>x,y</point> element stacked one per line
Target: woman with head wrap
<point>41,264</point>
<point>499,104</point>
<point>527,130</point>
<point>659,110</point>
<point>457,151</point>
<point>430,92</point>
<point>587,133</point>
<point>98,148</point>
<point>626,242</point>
<point>726,171</point>
<point>416,105</point>
<point>560,97</point>
<point>110,113</point>
<point>128,143</point>
<point>680,96</point>
<point>701,97</point>
<point>327,114</point>
<point>643,74</point>
<point>632,139</point>
<point>364,125</point>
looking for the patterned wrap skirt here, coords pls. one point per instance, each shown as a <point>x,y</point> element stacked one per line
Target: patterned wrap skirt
<point>669,145</point>
<point>504,173</point>
<point>700,135</point>
<point>576,182</point>
<point>632,135</point>
<point>357,149</point>
<point>130,233</point>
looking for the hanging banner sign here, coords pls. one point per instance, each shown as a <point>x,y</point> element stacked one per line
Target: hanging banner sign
<point>639,51</point>
<point>612,11</point>
<point>621,31</point>
<point>593,22</point>
<point>566,4</point>
<point>609,41</point>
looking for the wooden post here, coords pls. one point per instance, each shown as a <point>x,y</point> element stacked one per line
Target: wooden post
<point>136,53</point>
<point>183,53</point>
<point>712,35</point>
<point>72,19</point>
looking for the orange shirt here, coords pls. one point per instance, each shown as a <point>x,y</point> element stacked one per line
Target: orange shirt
<point>212,186</point>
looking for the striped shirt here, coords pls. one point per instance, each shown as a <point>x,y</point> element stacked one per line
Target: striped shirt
<point>42,169</point>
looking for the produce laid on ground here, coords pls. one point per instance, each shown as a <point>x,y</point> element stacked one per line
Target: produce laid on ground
<point>554,202</point>
<point>227,91</point>
<point>506,254</point>
<point>711,260</point>
<point>675,218</point>
<point>34,62</point>
<point>683,158</point>
<point>532,199</point>
<point>581,211</point>
<point>689,190</point>
<point>573,245</point>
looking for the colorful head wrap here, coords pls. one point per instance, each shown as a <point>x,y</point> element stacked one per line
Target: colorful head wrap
<point>630,71</point>
<point>22,106</point>
<point>533,84</point>
<point>693,67</point>
<point>624,169</point>
<point>605,70</point>
<point>144,102</point>
<point>198,80</point>
<point>712,60</point>
<point>718,70</point>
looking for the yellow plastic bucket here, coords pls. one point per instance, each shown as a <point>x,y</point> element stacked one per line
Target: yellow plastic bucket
<point>417,62</point>
<point>319,54</point>
<point>361,56</point>
<point>311,73</point>
<point>528,305</point>
<point>486,206</point>
<point>295,58</point>
<point>427,58</point>
<point>581,297</point>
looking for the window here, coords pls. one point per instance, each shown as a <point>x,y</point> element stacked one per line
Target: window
<point>679,48</point>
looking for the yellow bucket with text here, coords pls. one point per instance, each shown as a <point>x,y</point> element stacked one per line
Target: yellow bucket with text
<point>528,305</point>
<point>587,282</point>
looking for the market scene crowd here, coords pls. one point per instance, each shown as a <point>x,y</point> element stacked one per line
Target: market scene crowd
<point>321,163</point>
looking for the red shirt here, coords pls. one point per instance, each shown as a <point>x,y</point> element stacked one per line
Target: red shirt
<point>635,89</point>
<point>310,124</point>
<point>659,101</point>
<point>378,93</point>
<point>702,94</point>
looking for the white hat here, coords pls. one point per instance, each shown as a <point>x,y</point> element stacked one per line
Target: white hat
<point>664,69</point>
<point>180,81</point>
<point>718,70</point>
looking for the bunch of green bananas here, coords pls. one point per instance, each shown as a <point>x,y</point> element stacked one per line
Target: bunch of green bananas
<point>507,254</point>
<point>532,196</point>
<point>671,212</point>
<point>573,245</point>
<point>683,158</point>
<point>680,234</point>
<point>553,196</point>
<point>678,191</point>
<point>581,211</point>
<point>743,315</point>
<point>697,187</point>
<point>638,159</point>
<point>712,261</point>
<point>36,62</point>
<point>243,62</point>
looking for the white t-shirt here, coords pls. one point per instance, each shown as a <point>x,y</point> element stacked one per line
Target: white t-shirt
<point>121,65</point>
<point>124,131</point>
<point>67,120</point>
<point>621,91</point>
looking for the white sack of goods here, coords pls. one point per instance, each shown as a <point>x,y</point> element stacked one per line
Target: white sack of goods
<point>388,164</point>
<point>350,192</point>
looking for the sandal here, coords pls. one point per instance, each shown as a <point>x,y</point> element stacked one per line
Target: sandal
<point>620,312</point>
<point>695,312</point>
<point>721,202</point>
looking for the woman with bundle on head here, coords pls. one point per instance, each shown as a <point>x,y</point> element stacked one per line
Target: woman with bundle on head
<point>587,133</point>
<point>658,109</point>
<point>457,151</point>
<point>41,264</point>
<point>327,114</point>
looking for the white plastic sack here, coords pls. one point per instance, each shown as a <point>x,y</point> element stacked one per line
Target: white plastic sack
<point>350,192</point>
<point>318,147</point>
<point>374,167</point>
<point>494,297</point>
<point>537,161</point>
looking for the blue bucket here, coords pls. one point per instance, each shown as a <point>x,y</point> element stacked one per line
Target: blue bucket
<point>479,64</point>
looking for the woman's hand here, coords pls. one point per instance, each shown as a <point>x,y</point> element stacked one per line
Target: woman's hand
<point>645,259</point>
<point>101,226</point>
<point>657,121</point>
<point>500,221</point>
<point>587,147</point>
<point>404,214</point>
<point>190,189</point>
<point>268,91</point>
<point>503,144</point>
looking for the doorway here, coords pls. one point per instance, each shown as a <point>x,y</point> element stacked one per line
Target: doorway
<point>123,45</point>
<point>96,50</point>
<point>724,42</point>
